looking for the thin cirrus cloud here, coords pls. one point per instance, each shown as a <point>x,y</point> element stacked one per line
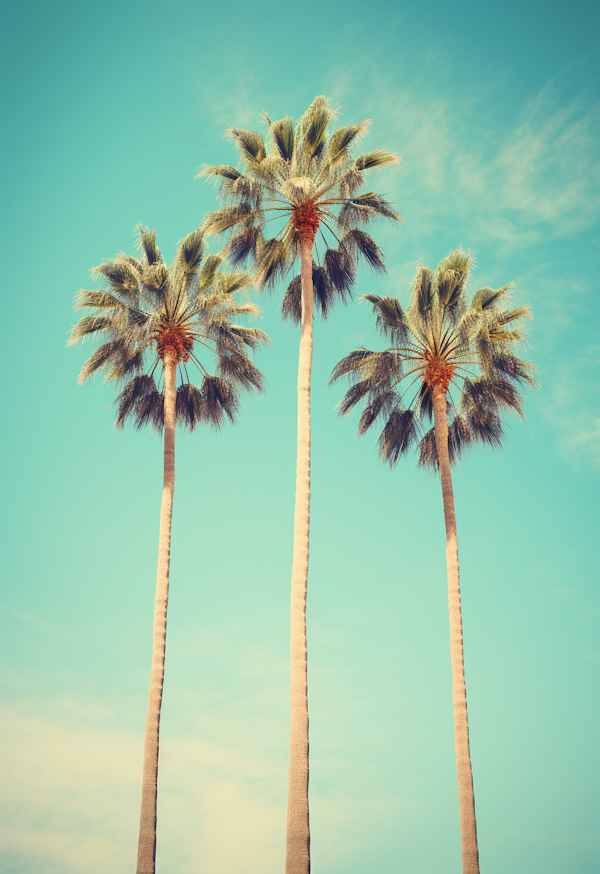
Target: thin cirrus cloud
<point>534,176</point>
<point>572,412</point>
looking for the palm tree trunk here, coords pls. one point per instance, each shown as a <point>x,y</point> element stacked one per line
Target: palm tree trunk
<point>298,831</point>
<point>466,799</point>
<point>147,839</point>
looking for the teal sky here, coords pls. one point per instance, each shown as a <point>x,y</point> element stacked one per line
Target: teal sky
<point>110,110</point>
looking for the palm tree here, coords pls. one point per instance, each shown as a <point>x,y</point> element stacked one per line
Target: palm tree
<point>307,182</point>
<point>155,319</point>
<point>459,363</point>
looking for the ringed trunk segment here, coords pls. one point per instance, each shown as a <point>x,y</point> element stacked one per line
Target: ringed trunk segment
<point>466,799</point>
<point>298,830</point>
<point>147,837</point>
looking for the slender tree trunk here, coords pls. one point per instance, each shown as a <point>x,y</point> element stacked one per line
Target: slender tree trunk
<point>466,799</point>
<point>298,831</point>
<point>147,839</point>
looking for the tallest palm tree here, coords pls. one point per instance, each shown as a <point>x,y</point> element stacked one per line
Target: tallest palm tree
<point>307,182</point>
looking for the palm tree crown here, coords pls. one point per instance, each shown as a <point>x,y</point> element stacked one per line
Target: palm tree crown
<point>148,309</point>
<point>306,180</point>
<point>440,345</point>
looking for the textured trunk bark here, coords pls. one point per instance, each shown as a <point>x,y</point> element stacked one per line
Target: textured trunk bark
<point>298,831</point>
<point>147,839</point>
<point>466,799</point>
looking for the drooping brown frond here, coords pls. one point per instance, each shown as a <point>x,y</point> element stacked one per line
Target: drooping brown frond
<point>340,269</point>
<point>291,305</point>
<point>391,318</point>
<point>237,368</point>
<point>354,394</point>
<point>381,405</point>
<point>350,364</point>
<point>398,436</point>
<point>355,242</point>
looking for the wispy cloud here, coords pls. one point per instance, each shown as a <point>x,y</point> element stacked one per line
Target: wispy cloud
<point>537,176</point>
<point>573,410</point>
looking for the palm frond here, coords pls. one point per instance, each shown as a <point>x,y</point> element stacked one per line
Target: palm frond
<point>90,325</point>
<point>133,393</point>
<point>460,438</point>
<point>354,394</point>
<point>224,219</point>
<point>340,269</point>
<point>423,291</point>
<point>502,363</point>
<point>282,134</point>
<point>147,243</point>
<point>220,171</point>
<point>485,426</point>
<point>121,276</point>
<point>96,300</point>
<point>423,403</point>
<point>341,139</point>
<point>249,142</point>
<point>108,354</point>
<point>272,263</point>
<point>350,364</point>
<point>219,400</point>
<point>191,251</point>
<point>355,241</point>
<point>377,158</point>
<point>381,405</point>
<point>237,368</point>
<point>242,245</point>
<point>398,436</point>
<point>364,208</point>
<point>291,305</point>
<point>451,279</point>
<point>391,319</point>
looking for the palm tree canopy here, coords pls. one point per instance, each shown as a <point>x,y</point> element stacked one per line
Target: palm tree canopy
<point>439,344</point>
<point>306,180</point>
<point>147,309</point>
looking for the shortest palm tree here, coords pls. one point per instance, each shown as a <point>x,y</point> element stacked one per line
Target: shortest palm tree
<point>154,319</point>
<point>458,361</point>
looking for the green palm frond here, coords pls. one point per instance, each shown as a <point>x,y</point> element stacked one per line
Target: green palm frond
<point>90,325</point>
<point>341,140</point>
<point>191,251</point>
<point>249,142</point>
<point>377,158</point>
<point>226,218</point>
<point>96,300</point>
<point>147,242</point>
<point>282,134</point>
<point>108,355</point>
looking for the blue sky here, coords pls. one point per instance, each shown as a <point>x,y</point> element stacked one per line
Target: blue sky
<point>112,108</point>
